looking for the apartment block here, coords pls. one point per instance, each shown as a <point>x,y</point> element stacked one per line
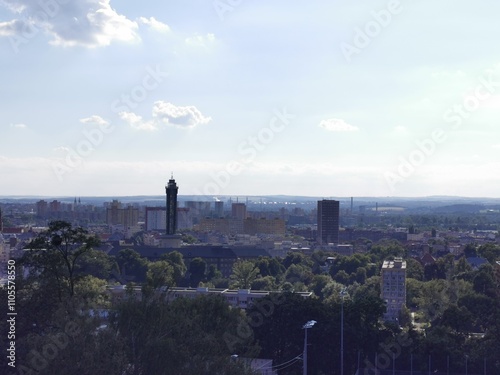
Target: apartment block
<point>393,287</point>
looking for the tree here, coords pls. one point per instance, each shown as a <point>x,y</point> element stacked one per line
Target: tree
<point>133,267</point>
<point>244,274</point>
<point>183,337</point>
<point>56,253</point>
<point>264,283</point>
<point>96,263</point>
<point>295,258</point>
<point>484,281</point>
<point>269,266</point>
<point>489,251</point>
<point>197,270</point>
<point>176,260</point>
<point>414,269</point>
<point>160,274</point>
<point>213,273</point>
<point>470,251</point>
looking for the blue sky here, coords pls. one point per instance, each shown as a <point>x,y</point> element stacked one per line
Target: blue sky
<point>321,98</point>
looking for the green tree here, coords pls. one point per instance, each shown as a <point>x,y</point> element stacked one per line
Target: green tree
<point>176,260</point>
<point>269,266</point>
<point>197,271</point>
<point>160,274</point>
<point>95,263</point>
<point>132,266</point>
<point>56,253</point>
<point>244,274</point>
<point>489,251</point>
<point>183,337</point>
<point>264,283</point>
<point>484,281</point>
<point>414,269</point>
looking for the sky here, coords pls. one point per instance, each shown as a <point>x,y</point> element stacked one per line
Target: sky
<point>237,97</point>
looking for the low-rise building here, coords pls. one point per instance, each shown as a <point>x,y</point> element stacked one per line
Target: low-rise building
<point>241,298</point>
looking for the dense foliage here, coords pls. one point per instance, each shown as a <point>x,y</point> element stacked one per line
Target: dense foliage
<point>68,325</point>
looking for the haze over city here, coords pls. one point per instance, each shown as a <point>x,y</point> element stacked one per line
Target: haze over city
<point>300,98</point>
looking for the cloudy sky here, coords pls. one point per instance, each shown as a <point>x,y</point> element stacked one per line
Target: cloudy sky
<point>239,97</point>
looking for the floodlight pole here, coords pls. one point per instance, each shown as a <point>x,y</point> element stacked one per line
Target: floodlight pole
<point>306,326</point>
<point>305,354</point>
<point>342,295</point>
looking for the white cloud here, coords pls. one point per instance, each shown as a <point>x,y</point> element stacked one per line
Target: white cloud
<point>94,119</point>
<point>61,149</point>
<point>165,113</point>
<point>154,24</point>
<point>188,117</point>
<point>204,41</point>
<point>18,126</point>
<point>137,122</point>
<point>337,125</point>
<point>13,27</point>
<point>89,23</point>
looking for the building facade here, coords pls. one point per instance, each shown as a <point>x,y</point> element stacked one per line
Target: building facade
<point>116,215</point>
<point>328,221</point>
<point>241,298</point>
<point>393,287</point>
<point>156,218</point>
<point>171,191</point>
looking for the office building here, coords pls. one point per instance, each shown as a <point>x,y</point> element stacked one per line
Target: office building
<point>328,221</point>
<point>239,211</point>
<point>393,287</point>
<point>219,209</point>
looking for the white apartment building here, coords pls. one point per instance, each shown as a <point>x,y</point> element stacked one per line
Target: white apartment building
<point>393,287</point>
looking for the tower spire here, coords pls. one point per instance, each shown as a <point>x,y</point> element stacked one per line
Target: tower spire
<point>171,190</point>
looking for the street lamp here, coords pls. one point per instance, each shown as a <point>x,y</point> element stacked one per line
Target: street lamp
<point>306,326</point>
<point>343,293</point>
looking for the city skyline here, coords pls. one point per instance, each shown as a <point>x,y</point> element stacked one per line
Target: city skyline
<point>386,98</point>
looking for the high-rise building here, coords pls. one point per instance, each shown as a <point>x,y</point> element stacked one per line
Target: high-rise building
<point>328,221</point>
<point>171,190</point>
<point>156,218</point>
<point>393,287</point>
<point>239,211</point>
<point>219,209</point>
<point>117,215</point>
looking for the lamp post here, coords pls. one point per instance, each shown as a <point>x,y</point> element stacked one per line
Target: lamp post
<point>343,293</point>
<point>306,326</point>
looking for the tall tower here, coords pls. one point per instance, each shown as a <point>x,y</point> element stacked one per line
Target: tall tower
<point>393,287</point>
<point>171,190</point>
<point>328,221</point>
